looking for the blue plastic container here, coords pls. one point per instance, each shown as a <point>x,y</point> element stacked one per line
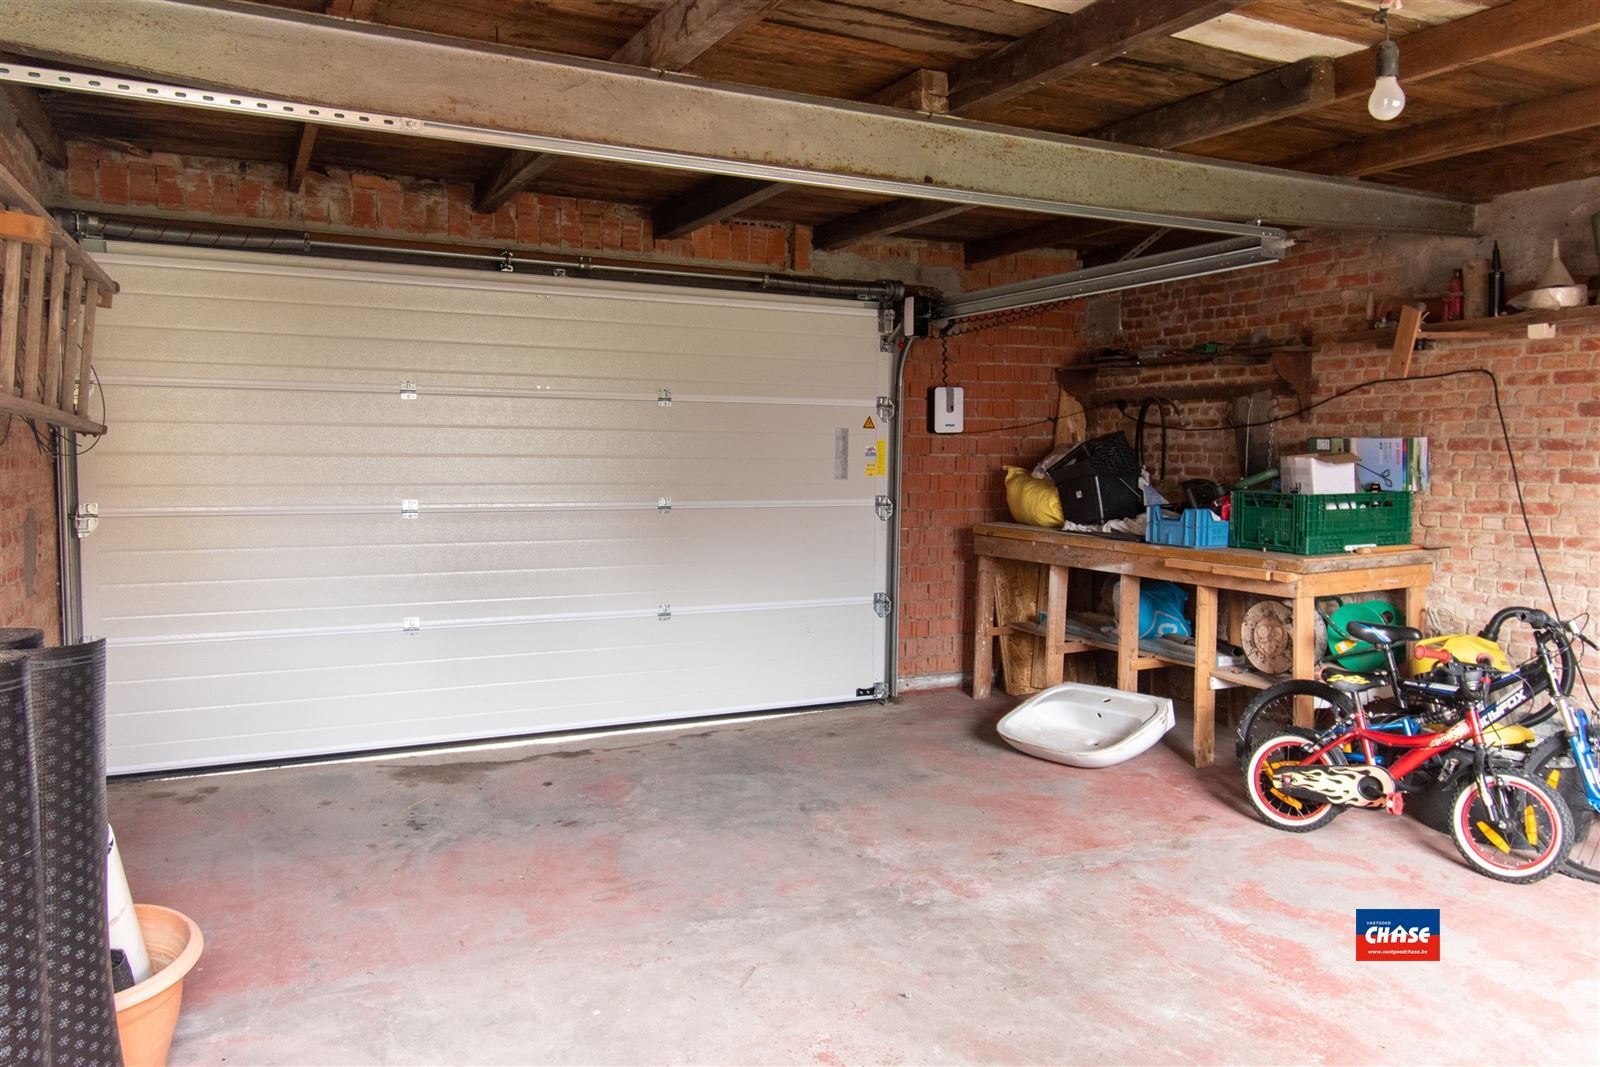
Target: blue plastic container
<point>1192,527</point>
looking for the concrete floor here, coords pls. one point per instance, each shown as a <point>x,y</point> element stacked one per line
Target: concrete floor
<point>868,885</point>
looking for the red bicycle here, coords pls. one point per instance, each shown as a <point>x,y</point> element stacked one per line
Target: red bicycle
<point>1506,824</point>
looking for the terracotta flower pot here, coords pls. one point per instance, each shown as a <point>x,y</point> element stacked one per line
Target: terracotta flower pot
<point>147,1013</point>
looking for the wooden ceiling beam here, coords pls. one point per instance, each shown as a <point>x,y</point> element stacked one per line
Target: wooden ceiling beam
<point>685,30</point>
<point>1500,31</point>
<point>720,199</point>
<point>1276,94</point>
<point>679,34</point>
<point>1102,31</point>
<point>1545,165</point>
<point>352,9</point>
<point>1042,235</point>
<point>303,146</point>
<point>881,221</point>
<point>708,202</point>
<point>35,123</point>
<point>1480,132</point>
<point>923,90</point>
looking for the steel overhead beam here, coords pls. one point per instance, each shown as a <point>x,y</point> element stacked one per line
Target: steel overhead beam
<point>427,86</point>
<point>1215,258</point>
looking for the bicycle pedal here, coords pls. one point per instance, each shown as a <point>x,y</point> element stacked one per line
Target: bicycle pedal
<point>1395,803</point>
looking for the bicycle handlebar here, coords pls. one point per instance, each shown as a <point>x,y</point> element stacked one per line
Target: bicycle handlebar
<point>1538,620</point>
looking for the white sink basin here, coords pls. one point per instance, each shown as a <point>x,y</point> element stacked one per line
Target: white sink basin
<point>1087,725</point>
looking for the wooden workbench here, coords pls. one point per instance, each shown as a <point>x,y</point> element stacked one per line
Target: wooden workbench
<point>1299,580</point>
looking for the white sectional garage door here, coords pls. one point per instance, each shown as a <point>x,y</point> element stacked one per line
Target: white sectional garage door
<point>347,507</point>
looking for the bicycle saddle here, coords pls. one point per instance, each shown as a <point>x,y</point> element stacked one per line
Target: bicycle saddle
<point>1349,681</point>
<point>1375,634</point>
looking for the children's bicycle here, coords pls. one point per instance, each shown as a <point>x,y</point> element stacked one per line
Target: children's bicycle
<point>1565,761</point>
<point>1506,823</point>
<point>1529,689</point>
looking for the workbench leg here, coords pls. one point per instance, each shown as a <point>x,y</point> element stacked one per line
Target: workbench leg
<point>1055,625</point>
<point>1416,597</point>
<point>1304,663</point>
<point>1205,658</point>
<point>1127,633</point>
<point>983,621</point>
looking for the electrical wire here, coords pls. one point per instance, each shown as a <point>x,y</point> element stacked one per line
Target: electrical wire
<point>47,440</point>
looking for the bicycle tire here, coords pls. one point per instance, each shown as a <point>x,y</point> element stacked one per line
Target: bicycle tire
<point>1467,831</point>
<point>1278,810</point>
<point>1270,713</point>
<point>1552,764</point>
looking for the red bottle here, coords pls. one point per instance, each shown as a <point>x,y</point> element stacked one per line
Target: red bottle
<point>1453,300</point>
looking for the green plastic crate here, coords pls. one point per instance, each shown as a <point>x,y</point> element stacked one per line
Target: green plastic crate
<point>1312,525</point>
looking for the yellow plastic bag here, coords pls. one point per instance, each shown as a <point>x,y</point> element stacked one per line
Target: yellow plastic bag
<point>1035,501</point>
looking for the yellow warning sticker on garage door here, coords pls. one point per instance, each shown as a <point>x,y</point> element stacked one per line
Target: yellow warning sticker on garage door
<point>878,458</point>
<point>869,424</point>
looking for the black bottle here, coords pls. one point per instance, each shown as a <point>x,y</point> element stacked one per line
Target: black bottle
<point>1497,283</point>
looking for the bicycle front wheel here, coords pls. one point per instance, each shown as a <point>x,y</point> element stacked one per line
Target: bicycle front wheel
<point>1552,764</point>
<point>1521,831</point>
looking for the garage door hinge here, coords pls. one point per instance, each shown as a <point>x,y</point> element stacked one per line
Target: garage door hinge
<point>885,408</point>
<point>885,508</point>
<point>882,604</point>
<point>411,624</point>
<point>408,390</point>
<point>409,509</point>
<point>664,504</point>
<point>663,613</point>
<point>86,520</point>
<point>663,398</point>
<point>877,691</point>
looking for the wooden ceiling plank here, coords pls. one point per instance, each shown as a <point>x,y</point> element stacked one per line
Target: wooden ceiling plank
<point>923,90</point>
<point>1450,46</point>
<point>302,156</point>
<point>679,34</point>
<point>35,123</point>
<point>684,30</point>
<point>1279,93</point>
<point>1515,124</point>
<point>880,221</point>
<point>1104,30</point>
<point>711,201</point>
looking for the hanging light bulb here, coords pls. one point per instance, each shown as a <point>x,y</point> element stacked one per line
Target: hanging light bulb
<point>1387,99</point>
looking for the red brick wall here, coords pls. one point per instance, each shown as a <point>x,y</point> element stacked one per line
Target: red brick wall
<point>27,476</point>
<point>1550,390</point>
<point>951,483</point>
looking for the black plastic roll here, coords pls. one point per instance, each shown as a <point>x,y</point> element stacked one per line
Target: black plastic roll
<point>20,637</point>
<point>22,991</point>
<point>67,698</point>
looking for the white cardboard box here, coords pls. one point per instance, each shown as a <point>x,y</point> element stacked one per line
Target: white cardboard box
<point>1390,463</point>
<point>1324,472</point>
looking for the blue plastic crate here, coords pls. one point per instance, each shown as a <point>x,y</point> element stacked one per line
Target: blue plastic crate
<point>1192,527</point>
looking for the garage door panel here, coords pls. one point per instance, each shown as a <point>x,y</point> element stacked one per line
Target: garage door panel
<point>690,675</point>
<point>211,548</point>
<point>255,572</point>
<point>802,365</point>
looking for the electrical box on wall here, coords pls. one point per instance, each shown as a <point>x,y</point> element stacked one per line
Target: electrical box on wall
<point>945,409</point>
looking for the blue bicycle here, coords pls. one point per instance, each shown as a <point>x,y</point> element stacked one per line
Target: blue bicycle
<point>1565,761</point>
